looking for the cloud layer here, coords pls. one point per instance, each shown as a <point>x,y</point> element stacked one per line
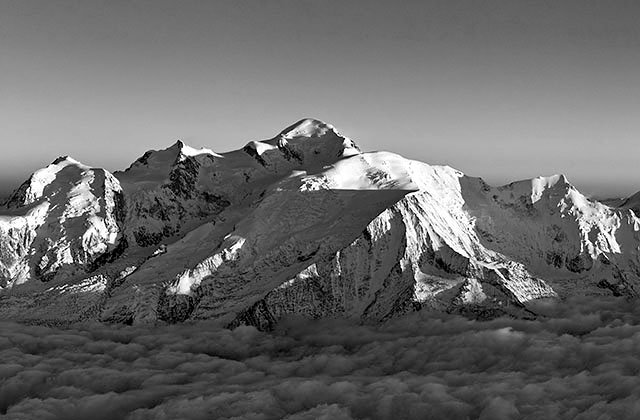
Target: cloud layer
<point>579,362</point>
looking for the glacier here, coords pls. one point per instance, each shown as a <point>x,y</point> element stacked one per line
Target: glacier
<point>304,224</point>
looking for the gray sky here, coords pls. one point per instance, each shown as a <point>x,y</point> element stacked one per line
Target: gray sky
<point>504,90</point>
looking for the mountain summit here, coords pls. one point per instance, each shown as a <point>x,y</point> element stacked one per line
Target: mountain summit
<point>303,223</point>
<point>308,127</point>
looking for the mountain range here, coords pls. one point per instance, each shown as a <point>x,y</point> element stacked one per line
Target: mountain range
<point>302,224</point>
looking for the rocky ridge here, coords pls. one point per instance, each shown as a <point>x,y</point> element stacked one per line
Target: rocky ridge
<point>300,224</point>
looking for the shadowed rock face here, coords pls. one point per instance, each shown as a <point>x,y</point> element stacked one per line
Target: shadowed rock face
<point>300,224</point>
<point>632,203</point>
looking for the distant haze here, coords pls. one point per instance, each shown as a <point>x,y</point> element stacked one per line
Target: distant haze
<point>504,90</point>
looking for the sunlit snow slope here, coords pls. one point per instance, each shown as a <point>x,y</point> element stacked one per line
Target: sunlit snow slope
<point>300,224</point>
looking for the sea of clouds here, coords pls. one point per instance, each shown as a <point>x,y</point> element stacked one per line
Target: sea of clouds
<point>581,361</point>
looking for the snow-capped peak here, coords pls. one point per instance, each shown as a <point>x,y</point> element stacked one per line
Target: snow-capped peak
<point>32,189</point>
<point>550,181</point>
<point>66,160</point>
<point>186,150</point>
<point>156,165</point>
<point>540,184</point>
<point>258,147</point>
<point>307,127</point>
<point>308,144</point>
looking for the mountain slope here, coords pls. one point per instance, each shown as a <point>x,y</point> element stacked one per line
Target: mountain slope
<point>303,223</point>
<point>59,223</point>
<point>168,190</point>
<point>632,203</point>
